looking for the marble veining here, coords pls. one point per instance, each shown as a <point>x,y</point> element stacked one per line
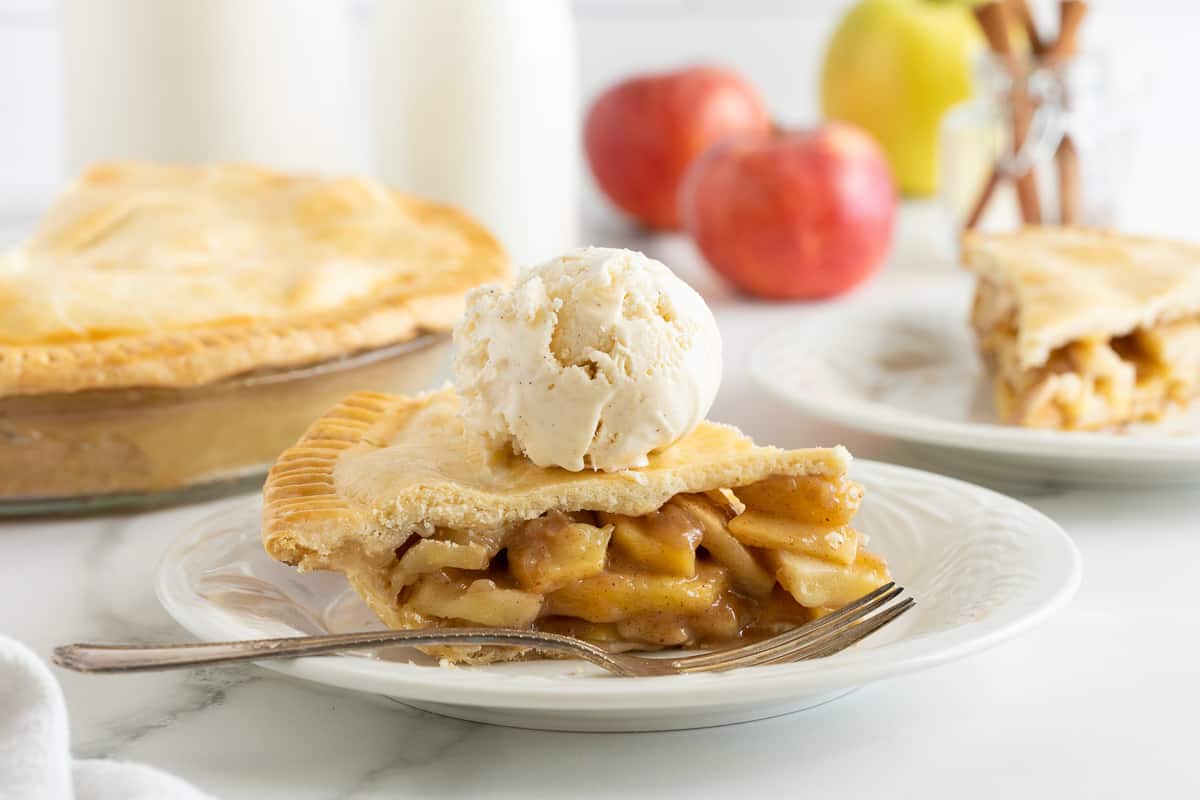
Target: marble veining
<point>444,736</point>
<point>200,690</point>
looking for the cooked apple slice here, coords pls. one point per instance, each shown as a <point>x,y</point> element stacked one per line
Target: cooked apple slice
<point>492,540</point>
<point>614,596</point>
<point>665,630</point>
<point>726,502</point>
<point>552,551</point>
<point>757,529</point>
<point>723,622</point>
<point>817,583</point>
<point>804,498</point>
<point>597,632</point>
<point>748,575</point>
<point>664,541</point>
<point>481,601</point>
<point>432,555</point>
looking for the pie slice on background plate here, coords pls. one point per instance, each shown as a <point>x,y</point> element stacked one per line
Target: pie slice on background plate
<point>717,540</point>
<point>1085,329</point>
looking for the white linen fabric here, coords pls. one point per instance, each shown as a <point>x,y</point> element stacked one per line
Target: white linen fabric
<point>35,755</point>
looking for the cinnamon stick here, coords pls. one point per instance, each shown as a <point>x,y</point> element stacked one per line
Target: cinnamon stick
<point>994,21</point>
<point>1020,9</point>
<point>1066,157</point>
<point>990,17</point>
<point>1027,191</point>
<point>1070,183</point>
<point>985,197</point>
<point>1070,14</point>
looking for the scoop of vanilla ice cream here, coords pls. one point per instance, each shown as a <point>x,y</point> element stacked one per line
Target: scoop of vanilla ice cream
<point>592,360</point>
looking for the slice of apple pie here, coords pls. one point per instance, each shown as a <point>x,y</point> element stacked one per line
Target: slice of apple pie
<point>1085,329</point>
<point>715,541</point>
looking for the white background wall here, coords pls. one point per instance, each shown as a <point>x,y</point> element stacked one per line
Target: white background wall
<point>777,43</point>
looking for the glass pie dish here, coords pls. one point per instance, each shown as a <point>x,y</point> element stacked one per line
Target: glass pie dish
<point>138,447</point>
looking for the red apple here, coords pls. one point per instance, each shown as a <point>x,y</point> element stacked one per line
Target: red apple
<point>792,214</point>
<point>642,134</point>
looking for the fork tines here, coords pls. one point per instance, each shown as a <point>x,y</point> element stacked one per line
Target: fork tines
<point>822,637</point>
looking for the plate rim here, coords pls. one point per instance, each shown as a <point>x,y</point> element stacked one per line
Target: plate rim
<point>454,686</point>
<point>888,420</point>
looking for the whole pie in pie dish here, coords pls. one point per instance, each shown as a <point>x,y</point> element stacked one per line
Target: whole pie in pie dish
<point>152,275</point>
<point>1084,329</point>
<point>715,540</point>
<point>148,287</point>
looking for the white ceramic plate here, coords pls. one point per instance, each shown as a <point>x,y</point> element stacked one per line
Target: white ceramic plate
<point>982,567</point>
<point>910,371</point>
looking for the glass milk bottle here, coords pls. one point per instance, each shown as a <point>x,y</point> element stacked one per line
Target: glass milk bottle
<point>264,81</point>
<point>475,103</point>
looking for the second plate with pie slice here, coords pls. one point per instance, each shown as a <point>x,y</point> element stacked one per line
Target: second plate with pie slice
<point>909,371</point>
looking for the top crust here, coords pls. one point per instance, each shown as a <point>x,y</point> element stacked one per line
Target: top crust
<point>378,468</point>
<point>1066,284</point>
<point>152,275</point>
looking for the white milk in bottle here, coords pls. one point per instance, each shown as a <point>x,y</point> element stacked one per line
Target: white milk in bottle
<point>475,103</point>
<point>265,81</point>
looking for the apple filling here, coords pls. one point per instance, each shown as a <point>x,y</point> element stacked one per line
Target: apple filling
<point>703,570</point>
<point>1094,382</point>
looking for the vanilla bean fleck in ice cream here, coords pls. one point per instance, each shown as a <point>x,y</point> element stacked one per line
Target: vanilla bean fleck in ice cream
<point>592,360</point>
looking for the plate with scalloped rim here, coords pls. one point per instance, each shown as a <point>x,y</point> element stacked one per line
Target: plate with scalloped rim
<point>909,371</point>
<point>982,567</point>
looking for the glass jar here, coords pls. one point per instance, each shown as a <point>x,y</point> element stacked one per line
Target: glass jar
<point>1072,101</point>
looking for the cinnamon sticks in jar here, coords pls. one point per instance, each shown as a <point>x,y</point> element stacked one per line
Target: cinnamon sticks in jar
<point>994,19</point>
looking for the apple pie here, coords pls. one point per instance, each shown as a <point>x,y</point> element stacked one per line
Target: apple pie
<point>715,541</point>
<point>145,280</point>
<point>1084,329</point>
<point>152,275</point>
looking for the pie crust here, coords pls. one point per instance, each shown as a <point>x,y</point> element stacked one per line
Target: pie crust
<point>173,276</point>
<point>1086,329</point>
<point>423,520</point>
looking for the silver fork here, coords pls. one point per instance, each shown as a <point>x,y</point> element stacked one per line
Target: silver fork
<point>822,637</point>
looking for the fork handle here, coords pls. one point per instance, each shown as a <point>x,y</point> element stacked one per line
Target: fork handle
<point>146,657</point>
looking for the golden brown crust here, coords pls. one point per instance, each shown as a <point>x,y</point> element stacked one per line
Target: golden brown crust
<point>402,290</point>
<point>378,468</point>
<point>1062,284</point>
<point>302,507</point>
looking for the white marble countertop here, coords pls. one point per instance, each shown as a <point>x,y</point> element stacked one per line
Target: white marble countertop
<point>1100,702</point>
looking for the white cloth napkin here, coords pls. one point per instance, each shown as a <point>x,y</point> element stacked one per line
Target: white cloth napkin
<point>35,755</point>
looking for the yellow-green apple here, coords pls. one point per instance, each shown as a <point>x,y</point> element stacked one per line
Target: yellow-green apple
<point>642,134</point>
<point>792,214</point>
<point>894,67</point>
